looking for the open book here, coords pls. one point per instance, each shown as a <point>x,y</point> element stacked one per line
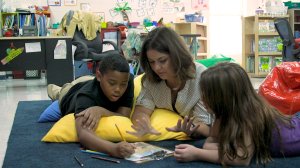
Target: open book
<point>146,152</point>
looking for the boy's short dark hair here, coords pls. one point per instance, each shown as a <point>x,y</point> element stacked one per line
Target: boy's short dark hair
<point>114,62</point>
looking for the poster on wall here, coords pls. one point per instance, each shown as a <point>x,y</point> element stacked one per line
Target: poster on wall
<point>199,4</point>
<point>101,15</point>
<point>70,2</point>
<point>85,7</point>
<point>54,2</point>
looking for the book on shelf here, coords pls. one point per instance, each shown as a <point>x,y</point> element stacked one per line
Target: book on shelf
<point>265,63</point>
<point>250,64</point>
<point>277,61</point>
<point>268,44</point>
<point>266,26</point>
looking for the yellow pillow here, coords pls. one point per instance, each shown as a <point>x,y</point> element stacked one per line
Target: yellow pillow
<point>64,130</point>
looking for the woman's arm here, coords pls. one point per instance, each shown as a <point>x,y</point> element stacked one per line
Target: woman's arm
<point>89,140</point>
<point>141,122</point>
<point>202,130</point>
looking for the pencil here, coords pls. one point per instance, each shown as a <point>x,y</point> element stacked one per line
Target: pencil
<point>120,133</point>
<point>93,152</point>
<point>78,161</point>
<point>106,159</point>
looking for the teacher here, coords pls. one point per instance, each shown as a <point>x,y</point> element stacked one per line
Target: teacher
<point>171,81</point>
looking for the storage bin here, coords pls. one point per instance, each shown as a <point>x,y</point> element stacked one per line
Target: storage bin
<point>32,74</point>
<point>193,18</point>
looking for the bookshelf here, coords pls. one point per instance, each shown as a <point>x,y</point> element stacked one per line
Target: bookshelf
<point>295,21</point>
<point>21,19</point>
<point>260,40</point>
<point>195,28</point>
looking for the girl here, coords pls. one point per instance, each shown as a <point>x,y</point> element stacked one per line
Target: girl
<point>245,125</point>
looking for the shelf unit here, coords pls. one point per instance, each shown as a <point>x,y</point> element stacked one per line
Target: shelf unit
<point>195,28</point>
<point>255,59</point>
<point>8,20</point>
<point>294,19</point>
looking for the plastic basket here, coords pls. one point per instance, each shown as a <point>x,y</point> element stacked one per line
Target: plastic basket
<point>214,60</point>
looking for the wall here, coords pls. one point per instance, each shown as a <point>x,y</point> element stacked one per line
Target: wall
<point>226,28</point>
<point>154,9</point>
<point>225,18</point>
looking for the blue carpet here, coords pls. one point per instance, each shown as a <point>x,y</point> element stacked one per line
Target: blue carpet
<point>25,149</point>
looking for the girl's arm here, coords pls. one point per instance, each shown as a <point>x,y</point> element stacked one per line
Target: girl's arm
<point>211,144</point>
<point>187,153</point>
<point>89,140</point>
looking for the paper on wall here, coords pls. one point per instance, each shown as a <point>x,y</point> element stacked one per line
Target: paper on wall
<point>33,47</point>
<point>60,51</point>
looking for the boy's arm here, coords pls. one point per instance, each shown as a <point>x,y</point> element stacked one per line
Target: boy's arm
<point>124,111</point>
<point>89,140</point>
<point>91,116</point>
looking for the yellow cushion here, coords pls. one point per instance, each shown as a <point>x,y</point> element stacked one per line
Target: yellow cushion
<point>64,130</point>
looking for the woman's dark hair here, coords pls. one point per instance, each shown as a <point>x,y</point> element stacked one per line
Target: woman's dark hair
<point>228,92</point>
<point>166,40</point>
<point>114,62</point>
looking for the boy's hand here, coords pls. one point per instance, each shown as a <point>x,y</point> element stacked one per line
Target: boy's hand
<point>185,126</point>
<point>123,150</point>
<point>143,127</point>
<point>91,117</point>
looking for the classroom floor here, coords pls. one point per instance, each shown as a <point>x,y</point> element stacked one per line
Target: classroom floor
<point>14,90</point>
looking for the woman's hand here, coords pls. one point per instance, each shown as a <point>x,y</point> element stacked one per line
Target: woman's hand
<point>186,153</point>
<point>142,127</point>
<point>122,150</point>
<point>91,117</point>
<point>185,126</point>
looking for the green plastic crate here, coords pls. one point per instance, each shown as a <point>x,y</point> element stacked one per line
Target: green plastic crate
<point>214,60</point>
<point>291,5</point>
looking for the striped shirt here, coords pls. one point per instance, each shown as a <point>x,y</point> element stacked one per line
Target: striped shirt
<point>158,95</point>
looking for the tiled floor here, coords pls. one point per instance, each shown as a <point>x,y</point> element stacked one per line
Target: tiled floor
<point>14,90</point>
<point>11,92</point>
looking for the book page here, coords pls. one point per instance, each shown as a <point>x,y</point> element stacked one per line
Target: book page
<point>147,152</point>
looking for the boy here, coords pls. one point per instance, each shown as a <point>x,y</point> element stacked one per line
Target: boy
<point>110,93</point>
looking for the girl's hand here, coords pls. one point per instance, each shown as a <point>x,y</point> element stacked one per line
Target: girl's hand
<point>123,150</point>
<point>185,153</point>
<point>91,117</point>
<point>143,127</point>
<point>185,126</point>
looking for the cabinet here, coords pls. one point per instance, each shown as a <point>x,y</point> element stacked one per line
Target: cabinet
<point>295,21</point>
<point>261,51</point>
<point>192,28</point>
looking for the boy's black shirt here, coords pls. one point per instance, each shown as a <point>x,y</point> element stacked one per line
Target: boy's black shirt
<point>89,93</point>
